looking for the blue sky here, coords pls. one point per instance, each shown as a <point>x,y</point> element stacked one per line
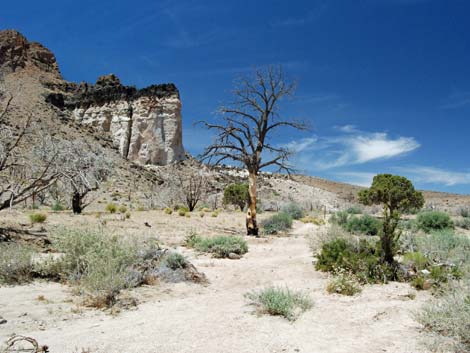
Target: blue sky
<point>384,83</point>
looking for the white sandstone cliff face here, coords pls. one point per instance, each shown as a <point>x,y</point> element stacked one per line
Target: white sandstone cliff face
<point>147,130</point>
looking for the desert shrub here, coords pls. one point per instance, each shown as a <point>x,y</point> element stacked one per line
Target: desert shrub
<point>447,317</point>
<point>56,207</point>
<point>16,263</point>
<point>465,212</point>
<point>416,260</point>
<point>37,217</point>
<point>96,261</point>
<point>340,218</point>
<point>294,210</point>
<point>359,258</point>
<point>183,211</point>
<point>447,248</point>
<point>220,246</point>
<point>463,223</point>
<point>215,213</point>
<point>175,260</point>
<point>313,220</point>
<point>237,195</point>
<point>354,210</point>
<point>365,224</point>
<point>128,215</point>
<point>280,301</point>
<point>433,220</point>
<point>408,224</point>
<point>344,283</point>
<point>168,210</point>
<point>111,208</point>
<point>277,223</point>
<point>122,209</point>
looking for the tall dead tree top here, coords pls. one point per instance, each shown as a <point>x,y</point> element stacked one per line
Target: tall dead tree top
<point>247,124</point>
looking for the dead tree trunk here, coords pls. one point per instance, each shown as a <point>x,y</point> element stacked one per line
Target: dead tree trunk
<point>251,224</point>
<point>76,203</point>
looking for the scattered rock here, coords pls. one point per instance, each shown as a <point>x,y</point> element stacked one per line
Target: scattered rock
<point>233,256</point>
<point>2,320</point>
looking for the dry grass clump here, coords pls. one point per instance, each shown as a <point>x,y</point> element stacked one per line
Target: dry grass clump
<point>16,263</point>
<point>344,283</point>
<point>220,246</point>
<point>280,301</point>
<point>37,217</point>
<point>447,317</point>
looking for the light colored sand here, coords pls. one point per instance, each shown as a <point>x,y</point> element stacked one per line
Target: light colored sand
<point>217,318</point>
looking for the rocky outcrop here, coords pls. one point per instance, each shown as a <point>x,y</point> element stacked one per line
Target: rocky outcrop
<point>17,53</point>
<point>144,124</point>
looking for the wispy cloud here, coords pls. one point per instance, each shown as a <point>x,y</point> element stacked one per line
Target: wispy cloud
<point>457,100</point>
<point>356,178</point>
<point>351,147</point>
<point>310,16</point>
<point>432,175</point>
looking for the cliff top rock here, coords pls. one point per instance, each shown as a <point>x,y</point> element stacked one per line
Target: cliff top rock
<point>17,52</point>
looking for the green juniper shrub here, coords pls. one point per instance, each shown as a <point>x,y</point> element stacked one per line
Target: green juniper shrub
<point>365,224</point>
<point>434,220</point>
<point>294,210</point>
<point>279,301</point>
<point>37,217</point>
<point>220,246</point>
<point>277,223</point>
<point>396,194</point>
<point>237,195</point>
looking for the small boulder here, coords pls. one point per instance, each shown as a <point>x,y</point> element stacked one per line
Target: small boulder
<point>233,256</point>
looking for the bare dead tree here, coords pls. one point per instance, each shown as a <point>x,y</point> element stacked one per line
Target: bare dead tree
<point>192,187</point>
<point>22,174</point>
<point>248,123</point>
<point>81,171</point>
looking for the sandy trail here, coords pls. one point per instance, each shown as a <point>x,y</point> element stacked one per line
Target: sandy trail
<point>217,318</point>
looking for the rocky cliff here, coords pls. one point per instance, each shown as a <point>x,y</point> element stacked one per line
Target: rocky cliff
<point>144,124</point>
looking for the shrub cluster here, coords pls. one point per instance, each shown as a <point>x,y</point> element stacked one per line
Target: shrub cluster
<point>365,224</point>
<point>294,210</point>
<point>463,223</point>
<point>433,220</point>
<point>219,247</point>
<point>361,258</point>
<point>280,301</point>
<point>280,222</point>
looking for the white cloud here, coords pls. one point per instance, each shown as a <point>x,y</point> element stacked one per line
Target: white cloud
<point>379,146</point>
<point>432,175</point>
<point>356,178</point>
<point>350,148</point>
